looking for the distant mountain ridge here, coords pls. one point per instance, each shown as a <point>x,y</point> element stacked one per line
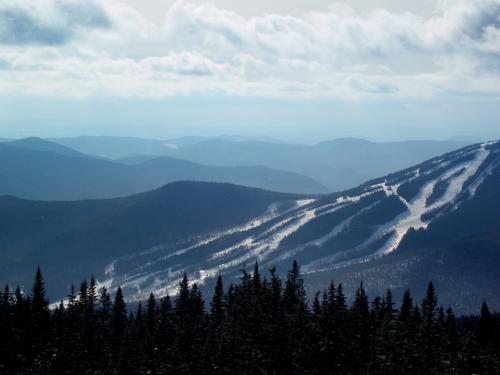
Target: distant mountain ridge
<point>113,147</point>
<point>38,169</point>
<point>337,164</point>
<point>39,144</point>
<point>69,238</point>
<point>437,220</point>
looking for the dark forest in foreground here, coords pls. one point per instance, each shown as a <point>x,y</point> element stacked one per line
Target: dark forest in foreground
<point>261,325</point>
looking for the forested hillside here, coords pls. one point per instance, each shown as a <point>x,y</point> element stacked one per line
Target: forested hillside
<point>259,325</point>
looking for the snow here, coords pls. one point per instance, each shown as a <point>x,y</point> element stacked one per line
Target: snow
<point>171,145</point>
<point>416,208</point>
<point>270,214</point>
<point>480,179</point>
<point>142,282</point>
<point>456,184</point>
<point>109,271</point>
<point>275,235</point>
<point>305,202</point>
<point>412,218</point>
<point>264,244</point>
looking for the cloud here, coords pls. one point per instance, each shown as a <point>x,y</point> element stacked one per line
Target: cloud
<point>48,22</point>
<point>106,48</point>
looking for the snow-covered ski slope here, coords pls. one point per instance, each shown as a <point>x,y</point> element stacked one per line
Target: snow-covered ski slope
<point>322,233</point>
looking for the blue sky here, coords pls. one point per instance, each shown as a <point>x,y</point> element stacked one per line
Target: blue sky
<point>296,70</point>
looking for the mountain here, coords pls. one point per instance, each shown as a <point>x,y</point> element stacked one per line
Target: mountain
<point>37,169</point>
<point>339,164</point>
<point>266,178</point>
<point>125,147</point>
<point>68,239</point>
<point>118,147</point>
<point>39,144</point>
<point>437,220</point>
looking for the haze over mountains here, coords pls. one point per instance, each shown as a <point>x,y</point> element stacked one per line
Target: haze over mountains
<point>35,168</point>
<point>337,165</point>
<point>145,242</point>
<point>38,169</point>
<point>119,147</point>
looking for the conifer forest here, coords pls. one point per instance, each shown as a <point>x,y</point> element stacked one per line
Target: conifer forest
<point>259,325</point>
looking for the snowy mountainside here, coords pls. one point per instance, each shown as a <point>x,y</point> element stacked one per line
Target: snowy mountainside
<point>324,233</point>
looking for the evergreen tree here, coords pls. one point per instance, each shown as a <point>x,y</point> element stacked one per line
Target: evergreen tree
<point>296,320</point>
<point>486,326</point>
<point>118,324</point>
<point>6,330</point>
<point>165,339</point>
<point>429,329</point>
<point>406,356</point>
<point>216,306</point>
<point>40,325</point>
<point>256,327</point>
<point>360,346</point>
<point>451,342</point>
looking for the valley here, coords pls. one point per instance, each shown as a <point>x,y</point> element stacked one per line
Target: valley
<point>143,243</point>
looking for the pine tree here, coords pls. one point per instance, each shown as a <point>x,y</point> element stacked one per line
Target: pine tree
<point>165,339</point>
<point>405,355</point>
<point>18,333</point>
<point>40,327</point>
<point>429,329</point>
<point>451,342</point>
<point>274,326</point>
<point>486,326</point>
<point>378,349</point>
<point>256,281</point>
<point>216,306</point>
<point>360,350</point>
<point>6,330</point>
<point>118,324</point>
<point>328,333</point>
<point>91,345</point>
<point>296,320</point>
<point>261,328</point>
<point>189,338</point>
<point>151,335</point>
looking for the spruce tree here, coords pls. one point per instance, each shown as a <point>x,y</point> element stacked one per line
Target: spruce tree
<point>296,320</point>
<point>486,326</point>
<point>40,324</point>
<point>360,349</point>
<point>216,306</point>
<point>118,324</point>
<point>429,329</point>
<point>165,338</point>
<point>262,328</point>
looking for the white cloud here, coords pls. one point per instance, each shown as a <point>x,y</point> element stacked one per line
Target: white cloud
<point>70,48</point>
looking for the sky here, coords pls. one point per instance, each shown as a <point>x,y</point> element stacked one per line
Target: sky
<point>302,71</point>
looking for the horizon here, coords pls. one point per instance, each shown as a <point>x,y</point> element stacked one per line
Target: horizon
<point>301,72</point>
<point>162,147</point>
<point>260,138</point>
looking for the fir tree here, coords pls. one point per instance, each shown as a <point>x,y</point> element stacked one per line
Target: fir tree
<point>118,324</point>
<point>429,329</point>
<point>216,306</point>
<point>261,328</point>
<point>40,324</point>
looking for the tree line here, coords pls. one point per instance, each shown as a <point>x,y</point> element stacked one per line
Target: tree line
<point>259,325</point>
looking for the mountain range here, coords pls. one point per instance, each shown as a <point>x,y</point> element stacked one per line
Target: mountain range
<point>437,220</point>
<point>337,165</point>
<point>112,147</point>
<point>34,168</point>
